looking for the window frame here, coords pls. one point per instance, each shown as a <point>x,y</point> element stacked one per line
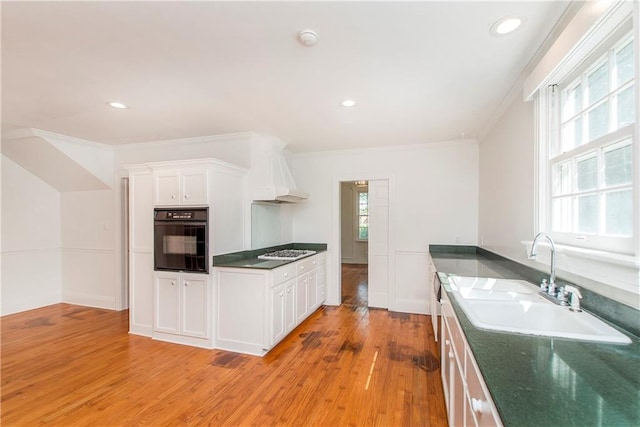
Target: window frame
<point>550,131</point>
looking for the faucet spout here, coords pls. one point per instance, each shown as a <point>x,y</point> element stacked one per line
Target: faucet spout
<point>533,254</point>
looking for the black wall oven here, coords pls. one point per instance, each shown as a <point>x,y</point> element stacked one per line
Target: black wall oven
<point>181,240</point>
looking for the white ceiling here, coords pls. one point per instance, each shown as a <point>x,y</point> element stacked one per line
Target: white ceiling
<point>419,71</point>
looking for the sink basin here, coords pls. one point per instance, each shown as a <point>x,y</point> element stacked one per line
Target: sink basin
<point>514,306</point>
<point>492,289</point>
<point>494,285</point>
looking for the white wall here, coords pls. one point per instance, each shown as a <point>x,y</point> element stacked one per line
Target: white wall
<point>88,251</point>
<point>433,199</point>
<point>507,181</point>
<point>354,251</point>
<point>31,241</point>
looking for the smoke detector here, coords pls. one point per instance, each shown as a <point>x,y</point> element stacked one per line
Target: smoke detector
<point>308,37</point>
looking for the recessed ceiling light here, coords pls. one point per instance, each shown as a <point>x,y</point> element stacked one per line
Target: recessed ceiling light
<point>505,26</point>
<point>117,105</point>
<point>348,103</point>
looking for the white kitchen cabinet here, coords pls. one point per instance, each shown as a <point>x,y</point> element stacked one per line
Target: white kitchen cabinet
<point>302,309</point>
<point>181,187</point>
<point>167,304</point>
<point>312,291</point>
<point>181,308</point>
<point>258,308</point>
<point>321,282</point>
<point>433,284</point>
<point>140,251</point>
<point>278,308</point>
<point>467,399</point>
<point>283,318</point>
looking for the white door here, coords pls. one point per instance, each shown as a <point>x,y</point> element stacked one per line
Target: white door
<point>378,243</point>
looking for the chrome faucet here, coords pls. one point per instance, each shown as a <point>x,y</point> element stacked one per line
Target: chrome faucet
<point>552,290</point>
<point>574,300</point>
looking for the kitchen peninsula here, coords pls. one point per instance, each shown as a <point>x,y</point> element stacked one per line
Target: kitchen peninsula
<point>261,301</point>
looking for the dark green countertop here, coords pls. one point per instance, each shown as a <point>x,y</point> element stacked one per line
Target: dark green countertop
<point>249,259</point>
<point>541,381</point>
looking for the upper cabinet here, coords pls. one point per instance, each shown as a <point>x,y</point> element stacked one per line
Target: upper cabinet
<point>181,187</point>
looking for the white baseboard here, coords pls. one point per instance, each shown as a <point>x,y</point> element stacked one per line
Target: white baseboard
<point>29,303</point>
<point>412,306</point>
<point>89,300</point>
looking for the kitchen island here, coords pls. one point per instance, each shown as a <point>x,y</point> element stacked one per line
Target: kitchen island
<point>544,381</point>
<point>260,301</point>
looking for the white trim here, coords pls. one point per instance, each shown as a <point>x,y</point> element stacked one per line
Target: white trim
<point>386,148</point>
<point>611,29</point>
<point>194,140</point>
<point>582,35</point>
<point>608,257</point>
<point>31,132</point>
<point>89,300</point>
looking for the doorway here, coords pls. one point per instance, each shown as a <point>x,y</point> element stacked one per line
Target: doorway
<point>354,242</point>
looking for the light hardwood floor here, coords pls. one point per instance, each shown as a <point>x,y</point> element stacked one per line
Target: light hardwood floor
<point>69,365</point>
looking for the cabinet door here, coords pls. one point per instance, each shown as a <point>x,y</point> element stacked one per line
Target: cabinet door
<point>194,187</point>
<point>167,187</point>
<point>322,294</point>
<point>195,293</point>
<point>312,291</point>
<point>278,309</point>
<point>167,306</point>
<point>446,356</point>
<point>290,306</point>
<point>457,398</point>
<point>301,298</point>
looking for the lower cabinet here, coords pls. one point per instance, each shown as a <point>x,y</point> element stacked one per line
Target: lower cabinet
<point>283,305</point>
<point>301,298</point>
<point>182,311</point>
<point>467,399</point>
<point>258,308</point>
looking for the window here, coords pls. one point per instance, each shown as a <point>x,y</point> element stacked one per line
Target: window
<point>591,153</point>
<point>363,215</point>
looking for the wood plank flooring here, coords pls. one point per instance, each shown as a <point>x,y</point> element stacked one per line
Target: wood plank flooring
<point>355,288</point>
<point>68,365</point>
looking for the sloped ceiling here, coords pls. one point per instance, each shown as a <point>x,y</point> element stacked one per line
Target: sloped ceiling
<point>419,71</point>
<point>50,164</point>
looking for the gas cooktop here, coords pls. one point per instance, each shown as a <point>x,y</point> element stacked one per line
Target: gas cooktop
<point>287,254</point>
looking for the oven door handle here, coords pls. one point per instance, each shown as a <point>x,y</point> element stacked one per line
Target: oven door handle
<point>192,223</point>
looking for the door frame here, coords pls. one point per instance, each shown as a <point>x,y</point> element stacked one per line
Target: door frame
<point>334,284</point>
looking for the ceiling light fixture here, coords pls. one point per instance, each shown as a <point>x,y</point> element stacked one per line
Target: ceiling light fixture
<point>348,103</point>
<point>117,105</point>
<point>308,38</point>
<point>505,26</point>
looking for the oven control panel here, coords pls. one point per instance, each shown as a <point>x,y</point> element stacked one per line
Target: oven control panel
<point>180,215</point>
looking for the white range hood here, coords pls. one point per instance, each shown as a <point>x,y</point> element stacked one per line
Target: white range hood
<point>271,178</point>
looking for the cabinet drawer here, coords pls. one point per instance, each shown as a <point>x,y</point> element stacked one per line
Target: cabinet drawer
<point>480,403</point>
<point>457,340</point>
<point>306,265</point>
<point>284,273</point>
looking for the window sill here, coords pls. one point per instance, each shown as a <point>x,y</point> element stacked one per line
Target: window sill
<point>628,261</point>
